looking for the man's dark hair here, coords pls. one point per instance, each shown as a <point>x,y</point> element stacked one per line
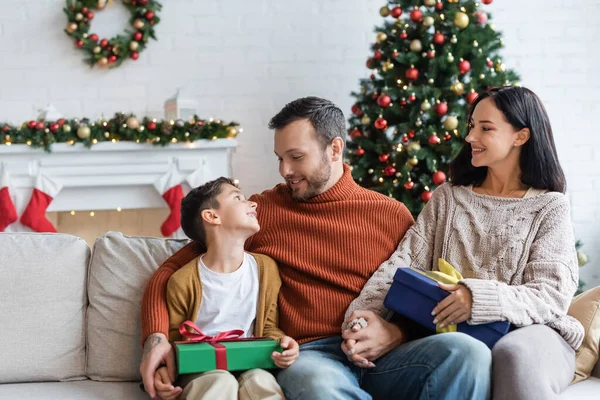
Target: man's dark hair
<point>539,163</point>
<point>197,200</point>
<point>325,117</point>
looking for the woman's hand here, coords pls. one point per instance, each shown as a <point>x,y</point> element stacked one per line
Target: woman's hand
<point>455,308</point>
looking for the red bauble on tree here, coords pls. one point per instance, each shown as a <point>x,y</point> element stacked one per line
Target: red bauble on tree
<point>441,109</point>
<point>416,15</point>
<point>433,139</point>
<point>360,151</point>
<point>403,35</point>
<point>381,123</point>
<point>396,12</point>
<point>412,97</point>
<point>356,110</point>
<point>374,95</point>
<point>471,97</point>
<point>438,177</point>
<point>355,133</point>
<point>490,63</point>
<point>389,171</point>
<point>384,157</point>
<point>412,74</point>
<point>5,128</point>
<point>395,54</point>
<point>439,38</point>
<point>439,5</point>
<point>377,55</point>
<point>426,196</point>
<point>409,185</point>
<point>431,54</point>
<point>464,66</point>
<point>384,101</point>
<point>487,1</point>
<point>411,133</point>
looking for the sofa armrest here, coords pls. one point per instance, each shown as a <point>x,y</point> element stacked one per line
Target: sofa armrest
<point>596,371</point>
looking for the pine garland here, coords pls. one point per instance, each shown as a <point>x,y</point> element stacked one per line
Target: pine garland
<point>122,127</point>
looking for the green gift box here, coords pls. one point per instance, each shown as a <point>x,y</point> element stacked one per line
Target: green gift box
<point>235,355</point>
<point>225,350</point>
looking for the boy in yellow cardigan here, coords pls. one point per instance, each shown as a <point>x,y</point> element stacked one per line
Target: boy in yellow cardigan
<point>224,289</point>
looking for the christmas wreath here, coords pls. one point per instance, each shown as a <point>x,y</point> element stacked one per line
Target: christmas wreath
<point>111,52</point>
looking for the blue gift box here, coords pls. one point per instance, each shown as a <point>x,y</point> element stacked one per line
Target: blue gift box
<point>414,296</point>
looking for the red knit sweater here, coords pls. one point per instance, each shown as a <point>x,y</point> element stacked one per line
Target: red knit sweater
<point>327,248</point>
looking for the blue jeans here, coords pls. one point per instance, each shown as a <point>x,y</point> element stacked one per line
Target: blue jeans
<point>445,366</point>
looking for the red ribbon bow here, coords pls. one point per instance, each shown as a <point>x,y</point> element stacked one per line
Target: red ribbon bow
<point>197,336</point>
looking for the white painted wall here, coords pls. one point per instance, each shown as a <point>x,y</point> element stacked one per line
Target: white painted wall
<point>244,60</point>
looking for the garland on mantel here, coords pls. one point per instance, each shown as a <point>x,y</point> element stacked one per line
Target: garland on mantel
<point>122,127</point>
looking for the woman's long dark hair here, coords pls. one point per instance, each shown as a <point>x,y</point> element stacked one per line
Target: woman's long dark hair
<point>538,161</point>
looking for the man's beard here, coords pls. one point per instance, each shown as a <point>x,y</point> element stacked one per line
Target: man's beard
<point>315,184</point>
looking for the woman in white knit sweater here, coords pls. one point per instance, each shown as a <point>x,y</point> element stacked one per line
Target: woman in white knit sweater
<point>503,222</point>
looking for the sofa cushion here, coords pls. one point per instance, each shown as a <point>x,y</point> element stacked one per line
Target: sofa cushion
<point>120,268</point>
<point>80,390</point>
<point>586,390</point>
<point>42,304</point>
<point>586,309</point>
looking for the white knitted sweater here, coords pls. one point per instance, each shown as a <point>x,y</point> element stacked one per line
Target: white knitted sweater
<point>517,256</point>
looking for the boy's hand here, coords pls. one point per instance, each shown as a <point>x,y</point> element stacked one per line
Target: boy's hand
<point>289,355</point>
<point>164,386</point>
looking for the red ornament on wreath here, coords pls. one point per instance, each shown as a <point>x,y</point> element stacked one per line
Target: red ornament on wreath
<point>409,185</point>
<point>381,123</point>
<point>360,151</point>
<point>137,36</point>
<point>471,97</point>
<point>5,128</point>
<point>151,125</point>
<point>79,44</point>
<point>32,124</point>
<point>416,15</point>
<point>396,12</point>
<point>441,109</point>
<point>104,43</point>
<point>426,196</point>
<point>54,127</point>
<point>93,37</point>
<point>149,15</point>
<point>384,101</point>
<point>412,74</point>
<point>389,171</point>
<point>487,1</point>
<point>439,38</point>
<point>404,138</point>
<point>464,66</point>
<point>438,177</point>
<point>90,15</point>
<point>112,59</point>
<point>40,125</point>
<point>384,157</point>
<point>135,55</point>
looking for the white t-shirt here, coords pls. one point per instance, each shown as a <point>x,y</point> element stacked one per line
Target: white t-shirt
<point>229,300</point>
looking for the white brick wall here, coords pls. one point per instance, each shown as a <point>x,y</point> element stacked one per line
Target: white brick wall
<point>244,60</point>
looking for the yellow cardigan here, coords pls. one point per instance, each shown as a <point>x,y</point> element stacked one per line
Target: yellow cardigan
<point>184,294</point>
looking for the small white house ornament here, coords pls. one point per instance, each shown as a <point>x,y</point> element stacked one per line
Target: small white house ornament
<point>180,107</point>
<point>49,113</point>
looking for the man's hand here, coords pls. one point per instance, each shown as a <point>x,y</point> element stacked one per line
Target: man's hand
<point>164,385</point>
<point>289,355</point>
<point>455,308</point>
<point>157,351</point>
<point>365,345</point>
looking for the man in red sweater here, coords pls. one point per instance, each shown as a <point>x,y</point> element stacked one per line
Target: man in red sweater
<point>316,226</point>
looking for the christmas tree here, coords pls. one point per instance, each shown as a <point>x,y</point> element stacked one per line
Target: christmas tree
<point>429,61</point>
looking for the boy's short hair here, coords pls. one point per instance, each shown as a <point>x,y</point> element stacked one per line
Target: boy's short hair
<point>197,200</point>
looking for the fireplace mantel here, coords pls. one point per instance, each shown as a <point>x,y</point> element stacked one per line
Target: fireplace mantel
<point>111,175</point>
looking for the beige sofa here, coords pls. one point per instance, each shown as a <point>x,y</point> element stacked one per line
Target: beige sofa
<point>70,317</point>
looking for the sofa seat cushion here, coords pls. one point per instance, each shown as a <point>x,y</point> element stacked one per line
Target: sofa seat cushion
<point>120,268</point>
<point>88,390</point>
<point>588,389</point>
<point>42,303</point>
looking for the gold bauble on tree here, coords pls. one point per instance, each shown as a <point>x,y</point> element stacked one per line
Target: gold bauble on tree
<point>428,21</point>
<point>457,88</point>
<point>426,105</point>
<point>381,37</point>
<point>451,123</point>
<point>416,46</point>
<point>384,11</point>
<point>365,120</point>
<point>413,147</point>
<point>429,3</point>
<point>132,123</point>
<point>83,132</point>
<point>66,128</point>
<point>414,161</point>
<point>461,20</point>
<point>500,67</point>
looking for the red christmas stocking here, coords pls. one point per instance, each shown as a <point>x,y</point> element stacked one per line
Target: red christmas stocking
<point>8,212</point>
<point>44,192</point>
<point>169,187</point>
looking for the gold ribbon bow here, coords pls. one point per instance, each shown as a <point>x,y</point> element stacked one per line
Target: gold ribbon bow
<point>447,274</point>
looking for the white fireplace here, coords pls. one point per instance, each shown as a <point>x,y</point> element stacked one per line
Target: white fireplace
<point>110,176</point>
